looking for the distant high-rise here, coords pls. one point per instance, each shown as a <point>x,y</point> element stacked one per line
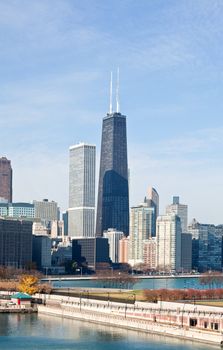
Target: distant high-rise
<point>15,243</point>
<point>141,224</point>
<point>206,246</point>
<point>45,210</point>
<point>124,250</point>
<point>168,235</point>
<point>113,190</point>
<point>81,210</point>
<point>113,237</point>
<point>17,210</point>
<point>179,209</point>
<point>153,197</point>
<point>5,179</point>
<point>153,202</point>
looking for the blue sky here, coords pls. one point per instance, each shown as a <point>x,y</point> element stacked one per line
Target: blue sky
<point>55,61</point>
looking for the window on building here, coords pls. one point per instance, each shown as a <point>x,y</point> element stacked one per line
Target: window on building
<point>193,322</point>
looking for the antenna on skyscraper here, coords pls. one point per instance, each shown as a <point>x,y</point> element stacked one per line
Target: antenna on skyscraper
<point>117,93</point>
<point>110,107</point>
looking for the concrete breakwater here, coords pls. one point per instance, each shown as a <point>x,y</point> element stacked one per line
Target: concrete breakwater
<point>185,321</point>
<point>18,310</point>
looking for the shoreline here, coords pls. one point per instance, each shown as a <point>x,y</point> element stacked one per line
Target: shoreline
<point>164,318</point>
<point>87,278</point>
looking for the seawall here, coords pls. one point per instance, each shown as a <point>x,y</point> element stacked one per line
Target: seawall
<point>151,318</point>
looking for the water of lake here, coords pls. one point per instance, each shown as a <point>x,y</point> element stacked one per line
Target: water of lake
<point>151,283</point>
<point>41,332</point>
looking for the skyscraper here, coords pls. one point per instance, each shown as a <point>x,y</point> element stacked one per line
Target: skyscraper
<point>206,246</point>
<point>153,202</point>
<point>168,235</point>
<point>81,210</point>
<point>141,223</point>
<point>113,190</point>
<point>153,198</point>
<point>5,179</point>
<point>15,242</point>
<point>113,237</point>
<point>179,209</point>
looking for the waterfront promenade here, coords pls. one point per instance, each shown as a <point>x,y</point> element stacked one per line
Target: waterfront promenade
<point>180,320</point>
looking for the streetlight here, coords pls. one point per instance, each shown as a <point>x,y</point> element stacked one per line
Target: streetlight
<point>182,319</point>
<point>125,309</point>
<point>134,300</point>
<point>80,300</point>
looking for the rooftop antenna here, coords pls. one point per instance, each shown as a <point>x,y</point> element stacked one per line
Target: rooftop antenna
<point>117,93</point>
<point>110,107</point>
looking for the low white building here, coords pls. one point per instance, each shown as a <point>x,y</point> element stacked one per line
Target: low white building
<point>113,237</point>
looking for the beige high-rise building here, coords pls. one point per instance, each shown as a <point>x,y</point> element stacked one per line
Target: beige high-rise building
<point>5,179</point>
<point>149,253</point>
<point>168,255</point>
<point>141,224</point>
<point>57,229</point>
<point>45,210</point>
<point>124,250</point>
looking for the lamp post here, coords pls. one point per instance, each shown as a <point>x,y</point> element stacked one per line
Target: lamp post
<point>80,300</point>
<point>125,309</point>
<point>182,318</point>
<point>134,300</point>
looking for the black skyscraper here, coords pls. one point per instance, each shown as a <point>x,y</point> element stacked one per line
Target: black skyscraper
<point>113,191</point>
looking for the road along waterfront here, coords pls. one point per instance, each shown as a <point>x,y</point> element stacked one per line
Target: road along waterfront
<point>179,320</point>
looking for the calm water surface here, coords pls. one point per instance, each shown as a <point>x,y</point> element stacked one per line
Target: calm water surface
<point>32,332</point>
<point>152,283</point>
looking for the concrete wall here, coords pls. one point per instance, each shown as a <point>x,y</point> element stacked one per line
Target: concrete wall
<point>172,320</point>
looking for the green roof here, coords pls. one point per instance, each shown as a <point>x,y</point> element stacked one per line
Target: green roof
<point>21,296</point>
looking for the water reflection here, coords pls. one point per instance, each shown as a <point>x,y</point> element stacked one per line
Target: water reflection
<point>32,332</point>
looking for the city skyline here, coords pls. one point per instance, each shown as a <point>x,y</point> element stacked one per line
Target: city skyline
<point>53,95</point>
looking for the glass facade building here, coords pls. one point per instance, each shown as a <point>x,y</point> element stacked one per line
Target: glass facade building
<point>206,246</point>
<point>15,243</point>
<point>17,210</point>
<point>113,190</point>
<point>90,251</point>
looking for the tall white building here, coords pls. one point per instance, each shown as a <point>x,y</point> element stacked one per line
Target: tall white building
<point>180,210</point>
<point>141,223</point>
<point>114,237</point>
<point>168,236</point>
<point>81,212</point>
